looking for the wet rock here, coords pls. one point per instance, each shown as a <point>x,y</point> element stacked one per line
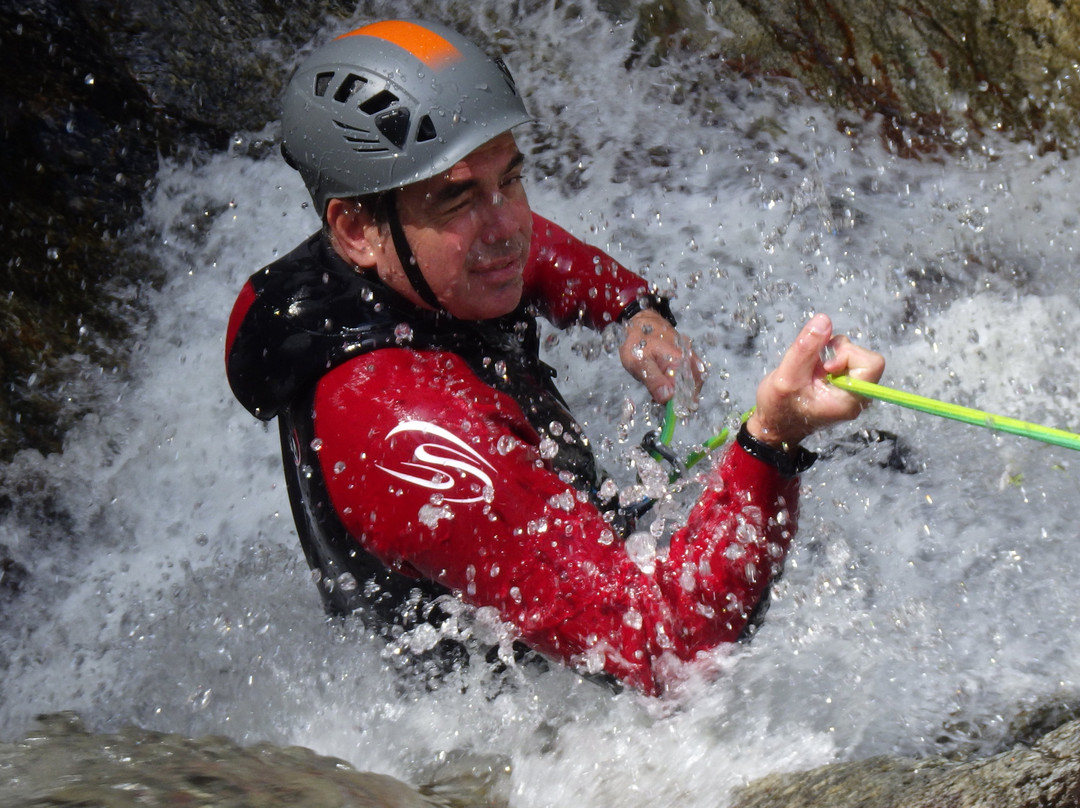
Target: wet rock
<point>215,67</point>
<point>930,75</point>
<point>78,138</point>
<point>93,93</point>
<point>60,763</point>
<point>1044,775</point>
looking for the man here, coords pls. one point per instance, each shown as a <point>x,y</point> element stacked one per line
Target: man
<point>427,450</point>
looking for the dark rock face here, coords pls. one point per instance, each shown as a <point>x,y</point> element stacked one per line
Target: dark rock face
<point>94,91</point>
<point>79,140</point>
<point>939,75</point>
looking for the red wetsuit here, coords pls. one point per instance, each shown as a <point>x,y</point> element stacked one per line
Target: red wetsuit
<point>432,459</point>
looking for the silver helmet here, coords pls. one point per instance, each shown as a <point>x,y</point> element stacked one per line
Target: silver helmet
<point>390,104</point>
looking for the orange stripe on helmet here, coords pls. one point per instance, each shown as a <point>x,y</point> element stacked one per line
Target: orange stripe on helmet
<point>427,46</point>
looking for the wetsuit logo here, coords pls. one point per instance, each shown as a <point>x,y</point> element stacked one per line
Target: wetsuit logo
<point>434,457</point>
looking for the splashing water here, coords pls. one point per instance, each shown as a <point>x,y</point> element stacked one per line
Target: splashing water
<point>929,600</point>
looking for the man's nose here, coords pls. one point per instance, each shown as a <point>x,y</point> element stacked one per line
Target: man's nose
<point>500,220</point>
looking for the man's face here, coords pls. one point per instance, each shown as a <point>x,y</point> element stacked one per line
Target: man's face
<point>470,230</point>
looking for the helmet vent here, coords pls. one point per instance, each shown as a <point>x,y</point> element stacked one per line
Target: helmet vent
<point>322,82</point>
<point>394,126</point>
<point>426,130</point>
<point>378,102</point>
<point>362,140</point>
<point>348,87</point>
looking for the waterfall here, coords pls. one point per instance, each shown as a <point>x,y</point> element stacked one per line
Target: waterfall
<point>927,607</point>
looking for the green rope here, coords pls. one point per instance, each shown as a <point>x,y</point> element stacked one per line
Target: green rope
<point>967,415</point>
<point>715,442</point>
<point>668,429</point>
<point>697,455</point>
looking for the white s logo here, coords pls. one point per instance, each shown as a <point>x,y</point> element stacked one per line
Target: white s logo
<point>451,452</point>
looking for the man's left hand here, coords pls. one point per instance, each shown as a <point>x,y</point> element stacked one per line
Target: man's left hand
<point>796,399</point>
<point>659,357</point>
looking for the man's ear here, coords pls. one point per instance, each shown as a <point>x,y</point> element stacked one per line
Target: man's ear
<point>352,229</point>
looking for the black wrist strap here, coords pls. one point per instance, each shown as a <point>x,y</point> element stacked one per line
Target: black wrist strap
<point>789,464</point>
<point>650,301</point>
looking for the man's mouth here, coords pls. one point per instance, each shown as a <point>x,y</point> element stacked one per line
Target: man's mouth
<point>502,260</point>
<point>509,264</point>
<point>503,265</point>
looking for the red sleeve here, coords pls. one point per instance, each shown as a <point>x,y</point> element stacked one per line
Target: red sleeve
<point>575,282</point>
<point>441,475</point>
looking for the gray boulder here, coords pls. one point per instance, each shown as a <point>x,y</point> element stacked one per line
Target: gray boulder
<point>1043,775</point>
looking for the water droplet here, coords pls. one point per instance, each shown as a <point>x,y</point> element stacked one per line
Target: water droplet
<point>430,515</point>
<point>641,547</point>
<point>563,502</point>
<point>594,660</point>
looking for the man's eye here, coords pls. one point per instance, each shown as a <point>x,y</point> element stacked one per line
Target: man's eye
<point>456,204</point>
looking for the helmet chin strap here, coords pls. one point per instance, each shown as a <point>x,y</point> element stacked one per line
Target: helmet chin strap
<point>405,256</point>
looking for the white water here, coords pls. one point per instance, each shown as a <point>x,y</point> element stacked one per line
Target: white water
<point>920,612</point>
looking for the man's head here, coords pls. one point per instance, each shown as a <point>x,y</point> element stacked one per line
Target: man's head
<point>384,112</point>
<point>468,228</point>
